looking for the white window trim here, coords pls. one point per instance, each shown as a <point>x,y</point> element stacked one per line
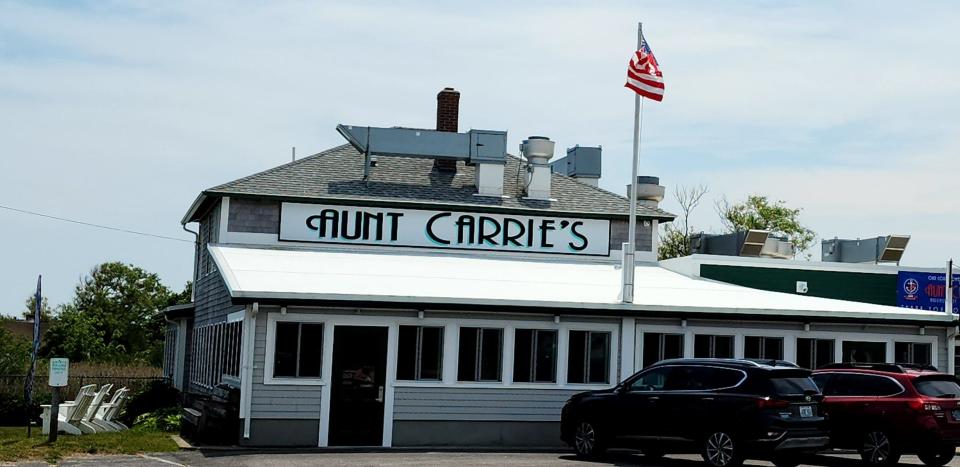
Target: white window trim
<point>789,340</point>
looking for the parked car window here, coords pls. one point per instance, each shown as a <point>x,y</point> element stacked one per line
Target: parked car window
<point>763,347</point>
<point>820,379</point>
<point>653,380</point>
<point>535,356</point>
<point>940,386</point>
<point>912,352</point>
<point>705,378</point>
<point>793,385</point>
<point>814,353</point>
<point>297,350</point>
<point>420,353</point>
<point>659,346</point>
<point>588,357</point>
<point>855,384</point>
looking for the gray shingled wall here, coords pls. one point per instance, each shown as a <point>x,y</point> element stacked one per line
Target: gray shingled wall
<point>620,230</point>
<point>464,403</point>
<point>254,215</point>
<point>279,401</point>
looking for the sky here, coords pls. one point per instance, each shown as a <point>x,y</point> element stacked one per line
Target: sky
<point>120,113</point>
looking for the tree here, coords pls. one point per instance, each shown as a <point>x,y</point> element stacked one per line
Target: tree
<point>757,212</point>
<point>14,353</point>
<point>675,241</point>
<point>115,315</point>
<point>46,313</point>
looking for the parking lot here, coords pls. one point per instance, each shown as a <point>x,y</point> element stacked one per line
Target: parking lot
<point>394,458</point>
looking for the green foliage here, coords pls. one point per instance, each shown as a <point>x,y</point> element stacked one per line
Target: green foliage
<point>674,243</point>
<point>116,315</point>
<point>46,313</point>
<point>167,419</point>
<point>14,353</point>
<point>15,446</point>
<point>156,396</point>
<point>757,212</point>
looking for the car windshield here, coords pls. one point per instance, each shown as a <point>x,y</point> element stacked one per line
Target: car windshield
<point>939,387</point>
<point>793,386</point>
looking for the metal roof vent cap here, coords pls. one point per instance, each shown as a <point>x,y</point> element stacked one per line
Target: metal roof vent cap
<point>649,191</point>
<point>537,149</point>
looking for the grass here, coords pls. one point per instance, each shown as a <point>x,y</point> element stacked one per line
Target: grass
<point>15,446</point>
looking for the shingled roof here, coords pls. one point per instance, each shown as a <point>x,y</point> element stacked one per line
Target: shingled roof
<point>337,174</point>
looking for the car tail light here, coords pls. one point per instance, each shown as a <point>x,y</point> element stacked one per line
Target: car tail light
<point>768,403</point>
<point>924,406</point>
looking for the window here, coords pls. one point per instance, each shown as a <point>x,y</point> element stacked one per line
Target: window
<point>767,348</point>
<point>937,386</point>
<point>703,378</point>
<point>215,352</point>
<point>794,385</point>
<point>856,384</point>
<point>864,352</point>
<point>480,354</point>
<point>814,353</point>
<point>653,380</point>
<point>297,350</point>
<point>705,346</point>
<point>657,346</point>
<point>588,359</point>
<point>420,353</point>
<point>912,352</point>
<point>535,356</point>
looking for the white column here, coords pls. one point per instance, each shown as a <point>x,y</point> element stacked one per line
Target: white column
<point>628,348</point>
<point>451,345</point>
<point>508,349</point>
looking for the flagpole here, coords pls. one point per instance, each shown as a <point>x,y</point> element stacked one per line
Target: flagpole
<point>629,248</point>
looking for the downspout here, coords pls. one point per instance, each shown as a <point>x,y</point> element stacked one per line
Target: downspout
<point>246,379</point>
<point>196,261</point>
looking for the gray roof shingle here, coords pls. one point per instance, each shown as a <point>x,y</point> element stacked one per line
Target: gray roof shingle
<point>337,173</point>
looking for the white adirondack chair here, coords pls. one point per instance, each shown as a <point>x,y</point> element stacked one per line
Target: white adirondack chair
<point>86,424</point>
<point>109,410</point>
<point>71,412</point>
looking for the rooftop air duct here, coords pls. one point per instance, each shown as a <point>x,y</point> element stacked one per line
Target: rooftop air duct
<point>885,249</point>
<point>538,150</point>
<point>581,163</point>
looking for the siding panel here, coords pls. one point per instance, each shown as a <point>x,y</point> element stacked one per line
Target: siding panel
<point>503,404</point>
<point>279,401</point>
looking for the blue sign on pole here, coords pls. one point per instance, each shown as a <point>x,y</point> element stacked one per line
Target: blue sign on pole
<point>926,290</point>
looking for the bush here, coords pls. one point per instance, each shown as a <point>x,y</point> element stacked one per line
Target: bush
<point>153,397</point>
<point>167,419</point>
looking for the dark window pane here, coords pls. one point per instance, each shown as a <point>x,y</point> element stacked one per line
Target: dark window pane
<point>701,346</point>
<point>921,354</point>
<point>407,353</point>
<point>773,348</point>
<point>523,355</point>
<point>805,353</point>
<point>723,347</point>
<point>599,357</point>
<point>285,350</point>
<point>912,352</point>
<point>311,348</point>
<point>864,352</point>
<point>546,357</point>
<point>825,353</point>
<point>853,384</point>
<point>653,380</point>
<point>431,353</point>
<point>651,348</point>
<point>577,357</point>
<point>752,347</point>
<point>467,359</point>
<point>793,386</point>
<point>672,346</point>
<point>491,345</point>
<point>901,352</point>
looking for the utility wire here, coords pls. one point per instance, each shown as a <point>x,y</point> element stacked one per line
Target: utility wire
<point>88,224</point>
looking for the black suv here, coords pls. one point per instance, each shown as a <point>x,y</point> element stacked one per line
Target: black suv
<point>725,409</point>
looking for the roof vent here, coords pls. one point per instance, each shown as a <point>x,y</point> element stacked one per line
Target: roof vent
<point>538,150</point>
<point>581,163</point>
<point>649,191</point>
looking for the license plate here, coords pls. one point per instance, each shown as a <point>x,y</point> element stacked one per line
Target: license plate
<point>806,410</point>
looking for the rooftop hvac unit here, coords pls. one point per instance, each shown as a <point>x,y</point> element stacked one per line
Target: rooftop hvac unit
<point>749,243</point>
<point>884,249</point>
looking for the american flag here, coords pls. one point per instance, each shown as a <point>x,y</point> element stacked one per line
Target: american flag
<point>643,73</point>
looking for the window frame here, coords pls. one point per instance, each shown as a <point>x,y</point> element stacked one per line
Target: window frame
<point>478,361</point>
<point>911,351</point>
<point>586,357</point>
<point>534,341</point>
<point>418,352</point>
<point>763,346</point>
<point>661,344</point>
<point>297,359</point>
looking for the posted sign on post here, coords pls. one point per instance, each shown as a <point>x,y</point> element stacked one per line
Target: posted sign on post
<point>59,372</point>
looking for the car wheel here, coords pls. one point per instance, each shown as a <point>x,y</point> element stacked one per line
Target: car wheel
<point>720,450</point>
<point>878,449</point>
<point>938,457</point>
<point>586,440</point>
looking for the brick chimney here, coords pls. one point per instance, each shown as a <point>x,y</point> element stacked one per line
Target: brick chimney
<point>448,116</point>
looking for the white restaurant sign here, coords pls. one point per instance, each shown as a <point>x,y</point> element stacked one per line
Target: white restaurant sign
<point>360,225</point>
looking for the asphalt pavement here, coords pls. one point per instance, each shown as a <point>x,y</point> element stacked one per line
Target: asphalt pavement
<point>407,458</point>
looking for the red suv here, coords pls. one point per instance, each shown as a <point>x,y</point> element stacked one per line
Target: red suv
<point>885,410</point>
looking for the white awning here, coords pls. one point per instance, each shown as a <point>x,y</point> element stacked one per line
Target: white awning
<point>338,275</point>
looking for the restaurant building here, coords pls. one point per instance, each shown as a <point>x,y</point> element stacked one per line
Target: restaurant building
<point>419,287</point>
